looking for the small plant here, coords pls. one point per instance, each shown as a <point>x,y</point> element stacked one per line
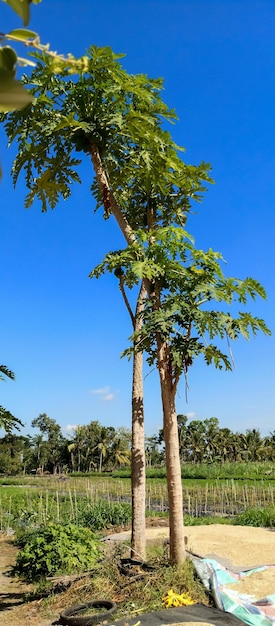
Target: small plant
<point>105,514</point>
<point>264,518</point>
<point>56,549</point>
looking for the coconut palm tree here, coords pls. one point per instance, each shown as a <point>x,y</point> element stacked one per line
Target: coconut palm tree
<point>195,441</point>
<point>75,447</point>
<point>119,454</point>
<point>104,444</point>
<point>254,444</point>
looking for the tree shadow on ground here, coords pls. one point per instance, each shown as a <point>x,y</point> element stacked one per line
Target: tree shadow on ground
<point>10,600</point>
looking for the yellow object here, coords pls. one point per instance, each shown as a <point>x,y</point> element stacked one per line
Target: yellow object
<point>176,599</point>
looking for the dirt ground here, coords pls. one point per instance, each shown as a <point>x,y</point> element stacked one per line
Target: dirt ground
<point>242,546</point>
<point>235,546</point>
<point>12,592</point>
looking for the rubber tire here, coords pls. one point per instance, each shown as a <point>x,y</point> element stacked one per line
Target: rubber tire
<point>70,618</point>
<point>125,569</point>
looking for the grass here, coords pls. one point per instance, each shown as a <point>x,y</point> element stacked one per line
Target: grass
<point>211,471</point>
<point>263,518</point>
<point>133,597</point>
<point>249,470</point>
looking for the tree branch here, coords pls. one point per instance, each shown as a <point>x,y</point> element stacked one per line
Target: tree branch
<point>126,301</point>
<point>109,201</point>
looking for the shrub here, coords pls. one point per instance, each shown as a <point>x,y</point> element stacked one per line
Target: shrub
<point>56,549</point>
<point>104,514</point>
<point>264,518</point>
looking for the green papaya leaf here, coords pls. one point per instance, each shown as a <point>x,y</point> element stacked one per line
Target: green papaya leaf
<point>22,8</point>
<point>23,34</point>
<point>8,59</point>
<point>12,94</point>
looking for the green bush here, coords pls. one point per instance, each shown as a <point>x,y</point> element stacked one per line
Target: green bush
<point>264,518</point>
<point>104,514</point>
<point>56,549</point>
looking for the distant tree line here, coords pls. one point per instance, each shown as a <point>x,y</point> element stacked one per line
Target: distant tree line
<point>97,448</point>
<point>203,441</point>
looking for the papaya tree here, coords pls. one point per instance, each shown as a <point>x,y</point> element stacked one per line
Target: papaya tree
<point>183,320</point>
<point>141,180</point>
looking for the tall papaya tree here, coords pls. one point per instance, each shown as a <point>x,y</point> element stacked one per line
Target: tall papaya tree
<point>183,320</point>
<point>139,178</point>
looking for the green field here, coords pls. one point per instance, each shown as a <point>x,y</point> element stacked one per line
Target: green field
<point>209,492</point>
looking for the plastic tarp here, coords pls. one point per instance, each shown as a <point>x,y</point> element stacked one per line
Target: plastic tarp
<point>248,608</point>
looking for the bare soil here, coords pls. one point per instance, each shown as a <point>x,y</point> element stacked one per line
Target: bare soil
<point>239,546</point>
<point>13,592</point>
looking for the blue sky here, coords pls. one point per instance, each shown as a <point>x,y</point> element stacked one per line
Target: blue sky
<point>62,333</point>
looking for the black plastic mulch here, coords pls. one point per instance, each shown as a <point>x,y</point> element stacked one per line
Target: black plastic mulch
<point>194,613</point>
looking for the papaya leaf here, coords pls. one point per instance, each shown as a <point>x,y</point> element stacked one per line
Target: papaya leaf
<point>12,94</point>
<point>22,34</point>
<point>22,8</point>
<point>8,59</point>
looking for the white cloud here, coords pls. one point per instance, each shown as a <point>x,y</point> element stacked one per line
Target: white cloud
<point>100,391</point>
<point>108,397</point>
<point>190,415</point>
<point>104,392</point>
<point>70,427</point>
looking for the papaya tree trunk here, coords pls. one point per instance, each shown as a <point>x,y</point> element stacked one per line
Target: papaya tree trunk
<point>109,201</point>
<point>138,465</point>
<point>172,453</point>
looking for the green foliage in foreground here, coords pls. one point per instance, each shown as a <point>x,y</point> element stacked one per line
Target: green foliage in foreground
<point>56,549</point>
<point>259,517</point>
<point>138,595</point>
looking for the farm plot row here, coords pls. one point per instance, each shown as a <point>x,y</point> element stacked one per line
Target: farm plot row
<point>28,506</point>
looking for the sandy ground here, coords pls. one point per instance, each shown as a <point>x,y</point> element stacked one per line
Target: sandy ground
<point>239,546</point>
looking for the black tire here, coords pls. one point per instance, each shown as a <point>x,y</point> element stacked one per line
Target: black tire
<point>70,617</point>
<point>126,566</point>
